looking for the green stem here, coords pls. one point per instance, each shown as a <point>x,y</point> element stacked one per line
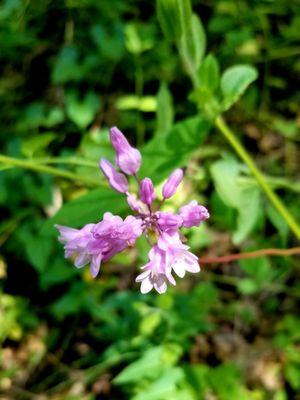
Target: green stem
<point>31,165</point>
<point>66,160</point>
<point>242,152</point>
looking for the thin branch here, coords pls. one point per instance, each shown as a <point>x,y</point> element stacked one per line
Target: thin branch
<point>250,254</point>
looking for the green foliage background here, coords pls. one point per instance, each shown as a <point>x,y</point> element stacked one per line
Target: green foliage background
<point>70,69</point>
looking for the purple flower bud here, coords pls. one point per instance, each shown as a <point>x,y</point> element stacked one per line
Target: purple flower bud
<point>193,214</point>
<point>136,205</point>
<point>116,180</point>
<point>168,221</point>
<point>146,192</point>
<point>128,158</point>
<point>172,183</point>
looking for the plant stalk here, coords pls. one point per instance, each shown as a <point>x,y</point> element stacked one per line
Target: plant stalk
<point>28,164</point>
<point>245,156</point>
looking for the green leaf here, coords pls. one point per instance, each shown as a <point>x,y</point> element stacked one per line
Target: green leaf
<point>135,42</point>
<point>292,374</point>
<point>173,148</point>
<point>133,102</point>
<point>248,286</point>
<point>165,110</point>
<point>209,73</point>
<point>244,198</point>
<point>225,380</point>
<point>234,82</point>
<point>185,12</point>
<point>169,18</point>
<point>149,322</point>
<point>259,269</point>
<point>192,45</point>
<point>162,388</point>
<point>278,221</point>
<point>37,245</point>
<point>67,66</point>
<point>88,208</point>
<point>36,144</point>
<point>150,366</point>
<point>82,112</point>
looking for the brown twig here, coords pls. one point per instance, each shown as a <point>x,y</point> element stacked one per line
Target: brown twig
<point>250,254</point>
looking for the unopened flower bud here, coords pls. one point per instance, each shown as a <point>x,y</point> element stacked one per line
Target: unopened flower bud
<point>172,183</point>
<point>136,205</point>
<point>146,192</point>
<point>128,158</point>
<point>116,180</point>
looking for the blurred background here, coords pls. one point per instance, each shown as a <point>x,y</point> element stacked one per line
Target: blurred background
<point>70,69</point>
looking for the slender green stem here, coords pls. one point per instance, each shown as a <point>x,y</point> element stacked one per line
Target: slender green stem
<point>244,155</point>
<point>66,160</point>
<point>31,165</point>
<point>274,182</point>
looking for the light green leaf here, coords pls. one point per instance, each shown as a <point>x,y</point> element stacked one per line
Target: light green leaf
<point>150,322</point>
<point>134,42</point>
<point>234,82</point>
<point>164,387</point>
<point>151,365</point>
<point>209,73</point>
<point>36,144</point>
<point>82,111</point>
<point>192,45</point>
<point>133,102</point>
<point>165,110</point>
<point>248,286</point>
<point>185,12</point>
<point>169,18</point>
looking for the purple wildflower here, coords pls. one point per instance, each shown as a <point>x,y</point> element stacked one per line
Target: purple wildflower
<point>97,243</point>
<point>193,214</point>
<point>157,272</point>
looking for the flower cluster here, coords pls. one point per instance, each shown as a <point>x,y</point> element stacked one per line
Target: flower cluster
<point>96,243</point>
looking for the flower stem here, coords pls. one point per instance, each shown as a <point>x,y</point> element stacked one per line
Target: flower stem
<point>31,165</point>
<point>245,156</point>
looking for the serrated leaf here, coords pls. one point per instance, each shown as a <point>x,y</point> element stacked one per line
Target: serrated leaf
<point>234,82</point>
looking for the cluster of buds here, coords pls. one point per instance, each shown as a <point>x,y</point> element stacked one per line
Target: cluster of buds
<point>96,243</point>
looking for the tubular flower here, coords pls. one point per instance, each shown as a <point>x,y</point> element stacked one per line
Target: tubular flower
<point>97,243</point>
